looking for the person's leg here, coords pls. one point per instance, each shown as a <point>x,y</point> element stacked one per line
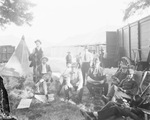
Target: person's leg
<point>127,113</point>
<point>105,113</point>
<point>106,88</point>
<point>113,109</point>
<point>45,87</point>
<point>90,88</point>
<point>110,94</point>
<point>60,88</point>
<point>83,72</point>
<point>67,97</point>
<point>5,102</point>
<point>38,87</point>
<point>85,67</point>
<point>79,96</point>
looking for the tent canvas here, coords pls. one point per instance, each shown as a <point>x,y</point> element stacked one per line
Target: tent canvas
<point>18,64</point>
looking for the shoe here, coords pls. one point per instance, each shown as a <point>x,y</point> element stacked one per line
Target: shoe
<point>105,99</point>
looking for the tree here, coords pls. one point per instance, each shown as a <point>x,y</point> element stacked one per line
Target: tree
<point>15,11</point>
<point>134,6</point>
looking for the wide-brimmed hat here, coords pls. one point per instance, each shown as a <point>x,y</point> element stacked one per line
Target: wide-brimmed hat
<point>38,41</point>
<point>44,58</point>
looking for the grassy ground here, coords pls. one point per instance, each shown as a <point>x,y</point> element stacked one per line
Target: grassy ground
<point>55,110</point>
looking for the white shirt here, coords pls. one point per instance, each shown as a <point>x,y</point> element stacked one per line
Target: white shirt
<point>89,57</point>
<point>44,70</point>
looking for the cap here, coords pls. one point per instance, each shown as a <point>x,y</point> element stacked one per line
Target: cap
<point>44,58</point>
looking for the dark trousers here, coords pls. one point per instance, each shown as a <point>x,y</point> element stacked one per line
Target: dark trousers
<point>78,98</point>
<point>60,87</point>
<point>4,106</point>
<point>114,109</point>
<point>94,88</point>
<point>85,67</point>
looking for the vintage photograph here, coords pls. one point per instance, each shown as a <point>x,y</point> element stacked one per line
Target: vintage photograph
<point>74,59</point>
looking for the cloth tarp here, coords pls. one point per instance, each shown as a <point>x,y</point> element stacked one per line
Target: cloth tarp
<point>18,64</point>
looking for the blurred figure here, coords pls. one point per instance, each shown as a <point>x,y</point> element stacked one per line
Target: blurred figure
<point>114,111</point>
<point>101,56</point>
<point>68,58</point>
<point>126,89</point>
<point>35,57</point>
<point>96,79</point>
<point>87,61</point>
<point>44,73</point>
<point>4,101</point>
<point>79,60</point>
<point>122,72</point>
<point>64,78</point>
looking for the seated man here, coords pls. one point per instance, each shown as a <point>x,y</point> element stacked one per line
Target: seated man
<point>74,81</point>
<point>96,78</point>
<point>113,111</point>
<point>121,73</point>
<point>127,88</point>
<point>43,74</point>
<point>64,77</point>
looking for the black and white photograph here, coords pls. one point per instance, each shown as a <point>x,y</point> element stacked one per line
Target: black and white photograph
<point>74,59</point>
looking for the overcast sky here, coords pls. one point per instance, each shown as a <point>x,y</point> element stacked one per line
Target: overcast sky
<point>56,20</point>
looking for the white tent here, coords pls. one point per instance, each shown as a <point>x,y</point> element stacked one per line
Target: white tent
<point>18,64</point>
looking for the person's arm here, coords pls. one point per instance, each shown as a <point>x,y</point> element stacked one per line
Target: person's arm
<point>91,59</point>
<point>120,85</point>
<point>134,88</point>
<point>80,85</point>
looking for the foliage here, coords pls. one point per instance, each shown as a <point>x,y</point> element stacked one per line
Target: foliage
<point>15,11</point>
<point>134,6</point>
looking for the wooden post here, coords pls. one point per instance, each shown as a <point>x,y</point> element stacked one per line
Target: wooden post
<point>139,40</point>
<point>129,40</point>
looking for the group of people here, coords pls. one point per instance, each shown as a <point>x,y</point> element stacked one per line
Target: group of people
<point>41,70</point>
<point>86,71</point>
<point>41,75</point>
<point>123,98</point>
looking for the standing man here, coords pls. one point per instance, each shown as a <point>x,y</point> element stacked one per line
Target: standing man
<point>44,74</point>
<point>35,57</point>
<point>68,58</point>
<point>87,61</point>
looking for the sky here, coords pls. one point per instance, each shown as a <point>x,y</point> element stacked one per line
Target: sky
<point>57,20</point>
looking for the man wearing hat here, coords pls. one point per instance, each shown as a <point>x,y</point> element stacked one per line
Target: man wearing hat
<point>74,82</point>
<point>127,88</point>
<point>35,56</point>
<point>68,58</point>
<point>43,74</point>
